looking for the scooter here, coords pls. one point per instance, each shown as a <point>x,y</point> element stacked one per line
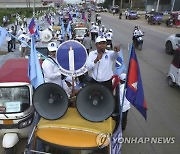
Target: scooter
<point>138,41</point>
<point>16,109</point>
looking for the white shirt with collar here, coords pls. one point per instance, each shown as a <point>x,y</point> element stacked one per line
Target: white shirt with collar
<point>51,72</point>
<point>103,69</point>
<point>126,104</point>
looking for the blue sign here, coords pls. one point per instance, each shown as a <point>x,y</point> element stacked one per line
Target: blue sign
<point>71,57</point>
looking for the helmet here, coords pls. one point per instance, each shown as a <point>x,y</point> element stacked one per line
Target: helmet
<point>136,27</point>
<point>110,30</point>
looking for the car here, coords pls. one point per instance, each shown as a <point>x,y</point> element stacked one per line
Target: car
<point>172,43</point>
<point>155,17</point>
<point>132,15</point>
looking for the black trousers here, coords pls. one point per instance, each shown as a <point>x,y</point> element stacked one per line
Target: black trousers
<point>107,84</point>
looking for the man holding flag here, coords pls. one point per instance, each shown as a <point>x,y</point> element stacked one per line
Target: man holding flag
<point>133,92</point>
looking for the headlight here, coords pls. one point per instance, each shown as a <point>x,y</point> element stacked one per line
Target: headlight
<point>26,122</point>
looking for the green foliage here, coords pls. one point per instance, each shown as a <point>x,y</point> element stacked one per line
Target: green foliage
<point>11,13</point>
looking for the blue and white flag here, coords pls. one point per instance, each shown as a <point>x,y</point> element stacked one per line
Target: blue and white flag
<point>3,33</point>
<point>120,66</point>
<point>68,30</point>
<point>34,71</point>
<point>62,29</point>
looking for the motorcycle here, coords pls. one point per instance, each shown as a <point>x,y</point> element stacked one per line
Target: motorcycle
<point>170,22</point>
<point>138,41</point>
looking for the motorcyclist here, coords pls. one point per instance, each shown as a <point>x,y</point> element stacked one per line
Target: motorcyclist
<point>137,33</point>
<point>99,19</point>
<point>109,36</point>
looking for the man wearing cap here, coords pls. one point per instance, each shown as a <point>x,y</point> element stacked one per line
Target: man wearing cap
<point>50,66</point>
<point>101,61</point>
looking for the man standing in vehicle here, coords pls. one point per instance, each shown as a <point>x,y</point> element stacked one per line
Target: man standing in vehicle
<point>100,63</point>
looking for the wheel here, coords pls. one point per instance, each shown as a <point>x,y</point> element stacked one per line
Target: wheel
<point>170,82</point>
<point>9,150</point>
<point>169,48</point>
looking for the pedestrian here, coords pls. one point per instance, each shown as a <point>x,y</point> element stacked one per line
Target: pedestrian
<point>24,40</point>
<point>87,42</point>
<point>9,40</point>
<point>50,66</point>
<point>100,63</point>
<point>13,38</point>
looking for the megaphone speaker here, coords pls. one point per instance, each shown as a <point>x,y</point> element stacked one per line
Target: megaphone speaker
<point>50,101</point>
<point>95,102</point>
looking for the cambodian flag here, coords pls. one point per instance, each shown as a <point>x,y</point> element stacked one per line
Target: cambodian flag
<point>135,92</point>
<point>32,26</point>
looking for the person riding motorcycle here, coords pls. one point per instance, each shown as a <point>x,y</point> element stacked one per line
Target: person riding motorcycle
<point>98,20</point>
<point>137,33</point>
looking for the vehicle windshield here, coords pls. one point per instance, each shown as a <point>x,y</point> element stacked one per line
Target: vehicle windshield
<point>14,99</point>
<point>80,32</point>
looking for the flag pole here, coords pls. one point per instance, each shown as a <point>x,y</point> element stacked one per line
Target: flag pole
<point>121,108</point>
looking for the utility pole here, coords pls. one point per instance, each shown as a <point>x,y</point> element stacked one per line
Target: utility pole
<point>172,8</point>
<point>113,3</point>
<point>33,8</point>
<point>157,6</point>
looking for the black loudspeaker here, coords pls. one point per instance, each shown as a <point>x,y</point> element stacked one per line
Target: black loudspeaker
<point>95,102</point>
<point>50,101</point>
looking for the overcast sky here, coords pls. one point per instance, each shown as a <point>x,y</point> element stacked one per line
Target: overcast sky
<point>72,1</point>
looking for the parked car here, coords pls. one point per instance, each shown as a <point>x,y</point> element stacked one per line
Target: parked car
<point>155,18</point>
<point>172,43</point>
<point>132,15</point>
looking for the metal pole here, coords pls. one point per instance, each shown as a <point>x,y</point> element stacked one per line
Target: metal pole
<point>33,8</point>
<point>113,3</point>
<point>157,6</point>
<point>172,8</point>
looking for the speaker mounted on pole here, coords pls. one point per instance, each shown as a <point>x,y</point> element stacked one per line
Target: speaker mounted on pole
<point>50,101</point>
<point>95,103</point>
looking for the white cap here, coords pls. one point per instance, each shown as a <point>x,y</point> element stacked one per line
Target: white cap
<point>68,79</point>
<point>52,46</point>
<point>110,30</point>
<point>100,39</point>
<point>122,76</point>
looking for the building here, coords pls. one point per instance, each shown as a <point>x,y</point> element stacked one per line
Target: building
<point>163,5</point>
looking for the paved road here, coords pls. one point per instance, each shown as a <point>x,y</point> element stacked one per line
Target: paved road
<point>163,102</point>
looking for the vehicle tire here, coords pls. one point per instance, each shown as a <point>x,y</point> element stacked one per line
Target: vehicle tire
<point>170,81</point>
<point>169,48</point>
<point>9,150</point>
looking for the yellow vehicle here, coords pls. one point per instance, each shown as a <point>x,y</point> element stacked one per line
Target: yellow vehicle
<point>70,130</point>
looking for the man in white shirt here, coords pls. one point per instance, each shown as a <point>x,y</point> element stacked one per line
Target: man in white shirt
<point>24,40</point>
<point>100,63</point>
<point>50,66</point>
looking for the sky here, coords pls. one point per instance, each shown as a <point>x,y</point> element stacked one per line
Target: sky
<point>72,1</point>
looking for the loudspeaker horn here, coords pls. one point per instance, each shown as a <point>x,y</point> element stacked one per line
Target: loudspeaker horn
<point>46,35</point>
<point>50,101</point>
<point>95,102</point>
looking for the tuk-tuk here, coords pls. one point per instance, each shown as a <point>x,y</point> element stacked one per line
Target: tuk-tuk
<point>16,109</point>
<point>176,18</point>
<point>79,29</point>
<point>173,76</point>
<point>72,134</point>
<point>70,130</point>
